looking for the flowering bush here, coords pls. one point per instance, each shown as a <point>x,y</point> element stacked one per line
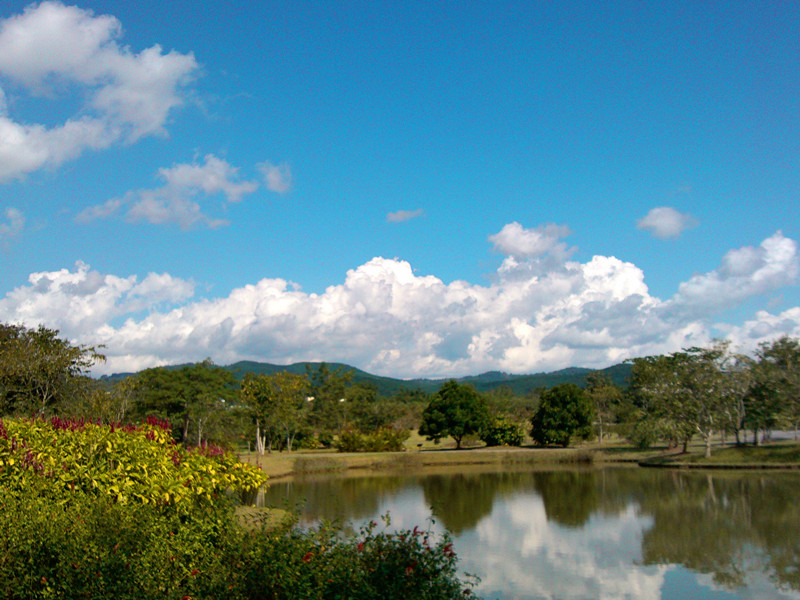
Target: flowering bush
<point>126,463</point>
<point>103,511</point>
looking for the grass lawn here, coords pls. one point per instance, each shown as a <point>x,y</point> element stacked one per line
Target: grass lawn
<point>784,452</point>
<point>421,453</point>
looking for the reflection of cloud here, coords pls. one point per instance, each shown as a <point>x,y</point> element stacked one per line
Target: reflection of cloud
<point>521,552</point>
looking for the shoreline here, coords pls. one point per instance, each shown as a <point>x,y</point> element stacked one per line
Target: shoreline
<point>282,465</point>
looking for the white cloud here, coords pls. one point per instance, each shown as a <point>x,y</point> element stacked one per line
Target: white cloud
<point>665,222</point>
<point>386,319</point>
<point>404,215</point>
<point>172,203</point>
<point>744,273</point>
<point>277,177</point>
<point>14,224</point>
<point>52,49</point>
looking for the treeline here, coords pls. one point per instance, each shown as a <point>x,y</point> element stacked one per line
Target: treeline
<point>670,398</point>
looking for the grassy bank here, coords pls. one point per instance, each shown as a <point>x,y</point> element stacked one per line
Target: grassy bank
<point>421,454</point>
<point>777,455</point>
<point>278,465</point>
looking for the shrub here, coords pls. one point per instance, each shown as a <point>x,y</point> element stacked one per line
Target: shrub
<point>502,432</point>
<point>384,439</point>
<point>67,533</point>
<point>140,464</point>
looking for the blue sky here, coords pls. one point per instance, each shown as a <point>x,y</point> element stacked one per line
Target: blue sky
<point>413,188</point>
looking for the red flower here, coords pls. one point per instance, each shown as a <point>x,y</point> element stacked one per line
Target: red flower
<point>194,572</point>
<point>360,546</point>
<point>308,556</point>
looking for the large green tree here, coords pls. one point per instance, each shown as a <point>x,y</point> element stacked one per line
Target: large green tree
<point>328,390</point>
<point>455,410</point>
<point>690,392</point>
<point>565,411</point>
<point>605,396</point>
<point>41,372</point>
<point>188,396</point>
<point>778,375</point>
<point>278,406</point>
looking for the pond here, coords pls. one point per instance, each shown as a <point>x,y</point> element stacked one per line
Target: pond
<point>610,533</point>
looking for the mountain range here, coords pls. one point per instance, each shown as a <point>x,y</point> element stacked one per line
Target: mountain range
<point>389,386</point>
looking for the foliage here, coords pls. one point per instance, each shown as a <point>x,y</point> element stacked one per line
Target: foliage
<point>565,411</point>
<point>86,544</point>
<point>606,397</point>
<point>778,378</point>
<point>456,410</point>
<point>690,392</point>
<point>278,405</point>
<point>130,464</point>
<point>40,372</point>
<point>189,395</point>
<point>502,432</point>
<point>328,389</point>
<point>383,439</point>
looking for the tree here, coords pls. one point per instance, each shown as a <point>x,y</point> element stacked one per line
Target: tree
<point>277,404</point>
<point>605,396</point>
<point>779,372</point>
<point>328,390</point>
<point>40,372</point>
<point>687,391</point>
<point>455,410</point>
<point>565,411</point>
<point>191,394</point>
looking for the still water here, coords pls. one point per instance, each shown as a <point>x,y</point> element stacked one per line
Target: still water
<point>612,533</point>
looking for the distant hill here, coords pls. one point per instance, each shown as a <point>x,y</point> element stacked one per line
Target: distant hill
<point>388,386</point>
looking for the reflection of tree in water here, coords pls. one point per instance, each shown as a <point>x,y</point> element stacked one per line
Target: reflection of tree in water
<point>569,497</point>
<point>731,525</point>
<point>335,498</point>
<point>461,500</point>
<point>727,525</point>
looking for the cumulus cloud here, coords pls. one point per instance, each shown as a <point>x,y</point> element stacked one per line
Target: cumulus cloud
<point>665,222</point>
<point>744,273</point>
<point>14,223</point>
<point>531,252</point>
<point>278,178</point>
<point>172,202</point>
<point>52,49</point>
<point>385,318</point>
<point>403,215</point>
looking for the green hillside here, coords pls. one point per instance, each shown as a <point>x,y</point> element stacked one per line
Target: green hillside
<point>388,386</point>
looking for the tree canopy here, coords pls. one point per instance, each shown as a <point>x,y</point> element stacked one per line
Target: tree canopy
<point>39,371</point>
<point>455,410</point>
<point>564,411</point>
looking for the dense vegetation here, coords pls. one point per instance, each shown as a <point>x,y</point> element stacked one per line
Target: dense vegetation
<point>697,392</point>
<point>100,511</point>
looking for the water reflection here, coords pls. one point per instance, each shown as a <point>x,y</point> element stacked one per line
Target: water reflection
<point>610,533</point>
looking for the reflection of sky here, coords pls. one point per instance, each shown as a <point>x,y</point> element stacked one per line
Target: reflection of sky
<point>523,556</point>
<point>520,555</point>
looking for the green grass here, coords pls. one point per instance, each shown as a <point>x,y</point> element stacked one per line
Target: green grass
<point>778,453</point>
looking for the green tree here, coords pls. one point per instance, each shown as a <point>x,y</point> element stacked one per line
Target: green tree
<point>455,410</point>
<point>328,388</point>
<point>41,372</point>
<point>778,374</point>
<point>278,405</point>
<point>605,396</point>
<point>185,396</point>
<point>689,391</point>
<point>565,411</point>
